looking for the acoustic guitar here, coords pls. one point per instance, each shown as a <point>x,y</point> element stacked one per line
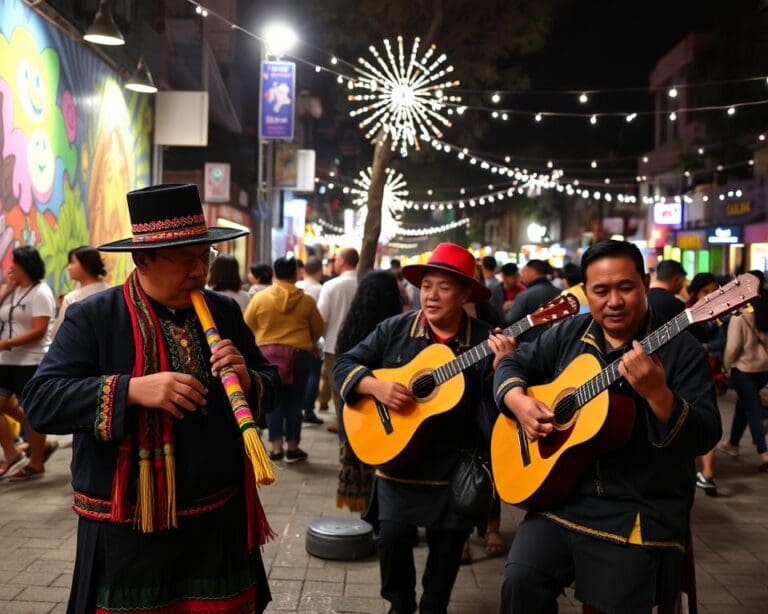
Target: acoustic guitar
<point>588,418</point>
<point>434,377</point>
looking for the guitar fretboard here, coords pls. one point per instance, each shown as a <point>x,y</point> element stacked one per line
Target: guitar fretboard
<point>650,344</point>
<point>477,353</point>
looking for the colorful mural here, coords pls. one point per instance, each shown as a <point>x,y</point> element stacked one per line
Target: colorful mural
<point>73,141</point>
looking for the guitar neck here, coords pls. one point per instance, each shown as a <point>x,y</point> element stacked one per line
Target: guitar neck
<point>650,344</point>
<point>477,353</point>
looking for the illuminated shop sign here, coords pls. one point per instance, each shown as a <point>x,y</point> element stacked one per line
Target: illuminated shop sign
<point>724,235</point>
<point>668,214</point>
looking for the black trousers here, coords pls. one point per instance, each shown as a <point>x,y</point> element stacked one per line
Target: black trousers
<point>545,558</point>
<point>395,542</point>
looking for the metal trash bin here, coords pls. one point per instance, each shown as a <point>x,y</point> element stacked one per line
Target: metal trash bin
<point>338,538</point>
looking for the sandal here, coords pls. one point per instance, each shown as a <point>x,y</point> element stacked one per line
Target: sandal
<point>494,545</point>
<point>50,448</point>
<point>17,461</point>
<point>26,473</point>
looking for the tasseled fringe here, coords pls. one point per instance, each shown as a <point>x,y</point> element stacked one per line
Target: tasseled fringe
<point>355,504</point>
<point>120,481</point>
<point>263,469</point>
<point>145,503</point>
<point>170,478</point>
<point>259,531</point>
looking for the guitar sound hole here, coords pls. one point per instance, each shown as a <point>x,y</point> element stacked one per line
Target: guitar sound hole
<point>565,410</point>
<point>423,387</point>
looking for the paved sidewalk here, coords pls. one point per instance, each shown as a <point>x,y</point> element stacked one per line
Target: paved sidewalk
<point>37,540</point>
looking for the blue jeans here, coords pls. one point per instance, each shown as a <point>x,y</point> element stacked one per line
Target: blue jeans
<point>312,385</point>
<point>284,422</point>
<point>748,410</point>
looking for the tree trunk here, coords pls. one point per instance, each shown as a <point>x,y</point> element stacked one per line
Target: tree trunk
<point>382,154</point>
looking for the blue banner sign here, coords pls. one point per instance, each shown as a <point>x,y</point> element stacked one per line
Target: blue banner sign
<point>278,97</point>
<point>724,235</point>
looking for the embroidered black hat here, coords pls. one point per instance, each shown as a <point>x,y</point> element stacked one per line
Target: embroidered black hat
<point>168,215</point>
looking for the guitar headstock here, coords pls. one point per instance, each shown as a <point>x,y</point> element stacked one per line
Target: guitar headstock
<point>558,308</point>
<point>726,298</point>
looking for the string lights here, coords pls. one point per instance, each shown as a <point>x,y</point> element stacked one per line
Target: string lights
<point>403,98</point>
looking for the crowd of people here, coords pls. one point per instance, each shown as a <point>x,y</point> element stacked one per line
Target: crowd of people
<point>308,337</point>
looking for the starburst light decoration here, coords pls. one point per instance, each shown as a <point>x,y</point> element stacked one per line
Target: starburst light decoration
<point>403,98</point>
<point>392,204</point>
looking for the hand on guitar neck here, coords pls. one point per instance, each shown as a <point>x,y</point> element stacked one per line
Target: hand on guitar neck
<point>645,373</point>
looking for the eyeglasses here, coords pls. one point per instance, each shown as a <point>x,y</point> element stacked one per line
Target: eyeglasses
<point>190,262</point>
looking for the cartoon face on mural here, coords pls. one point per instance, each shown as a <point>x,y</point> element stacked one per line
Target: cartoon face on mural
<point>72,143</point>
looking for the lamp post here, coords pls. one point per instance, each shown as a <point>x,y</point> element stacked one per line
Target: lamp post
<point>276,40</point>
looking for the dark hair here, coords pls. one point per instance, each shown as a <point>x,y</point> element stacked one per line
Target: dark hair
<point>28,258</point>
<point>572,274</point>
<point>612,248</point>
<point>699,281</point>
<point>299,263</point>
<point>90,259</point>
<point>376,299</point>
<point>489,262</point>
<point>760,304</point>
<point>350,256</point>
<point>394,263</point>
<point>667,269</point>
<point>262,273</point>
<point>225,274</point>
<point>509,269</point>
<point>314,265</point>
<point>541,267</point>
<point>285,268</point>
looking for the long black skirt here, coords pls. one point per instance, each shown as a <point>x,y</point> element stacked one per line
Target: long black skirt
<point>201,566</point>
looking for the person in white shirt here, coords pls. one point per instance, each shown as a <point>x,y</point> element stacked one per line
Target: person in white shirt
<point>313,274</point>
<point>335,298</point>
<point>87,269</point>
<point>311,284</point>
<point>26,310</point>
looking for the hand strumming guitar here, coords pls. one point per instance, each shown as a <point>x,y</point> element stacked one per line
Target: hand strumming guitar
<point>395,396</point>
<point>533,415</point>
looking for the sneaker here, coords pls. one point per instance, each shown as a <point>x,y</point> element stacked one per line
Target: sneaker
<point>729,449</point>
<point>707,484</point>
<point>295,456</point>
<point>311,418</point>
<point>276,456</point>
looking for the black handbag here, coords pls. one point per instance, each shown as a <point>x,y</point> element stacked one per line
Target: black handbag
<point>472,488</point>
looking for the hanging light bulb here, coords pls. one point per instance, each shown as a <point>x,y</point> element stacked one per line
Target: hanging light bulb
<point>583,98</point>
<point>672,116</point>
<point>537,117</point>
<point>672,92</point>
<point>593,120</point>
<point>731,110</point>
<point>103,30</point>
<point>496,98</point>
<point>141,80</point>
<point>631,117</point>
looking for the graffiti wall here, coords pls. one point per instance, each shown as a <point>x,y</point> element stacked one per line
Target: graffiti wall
<point>73,141</point>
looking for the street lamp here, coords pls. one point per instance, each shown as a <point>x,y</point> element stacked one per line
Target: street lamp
<point>276,39</point>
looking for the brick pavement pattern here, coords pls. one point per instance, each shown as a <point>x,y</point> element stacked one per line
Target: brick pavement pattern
<point>37,541</point>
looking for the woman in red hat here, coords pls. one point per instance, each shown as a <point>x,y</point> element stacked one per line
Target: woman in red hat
<point>413,491</point>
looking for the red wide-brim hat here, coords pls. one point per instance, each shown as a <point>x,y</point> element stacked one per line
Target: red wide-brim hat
<point>454,259</point>
<point>168,215</point>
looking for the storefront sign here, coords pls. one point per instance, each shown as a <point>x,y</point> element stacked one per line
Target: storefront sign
<point>668,213</point>
<point>690,241</point>
<point>278,86</point>
<point>743,207</point>
<point>216,182</point>
<point>724,235</point>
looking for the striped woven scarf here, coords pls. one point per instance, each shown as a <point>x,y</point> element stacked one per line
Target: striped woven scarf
<point>156,492</point>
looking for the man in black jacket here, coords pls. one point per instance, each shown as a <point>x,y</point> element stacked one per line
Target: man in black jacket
<point>169,513</point>
<point>621,533</point>
<point>415,492</point>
